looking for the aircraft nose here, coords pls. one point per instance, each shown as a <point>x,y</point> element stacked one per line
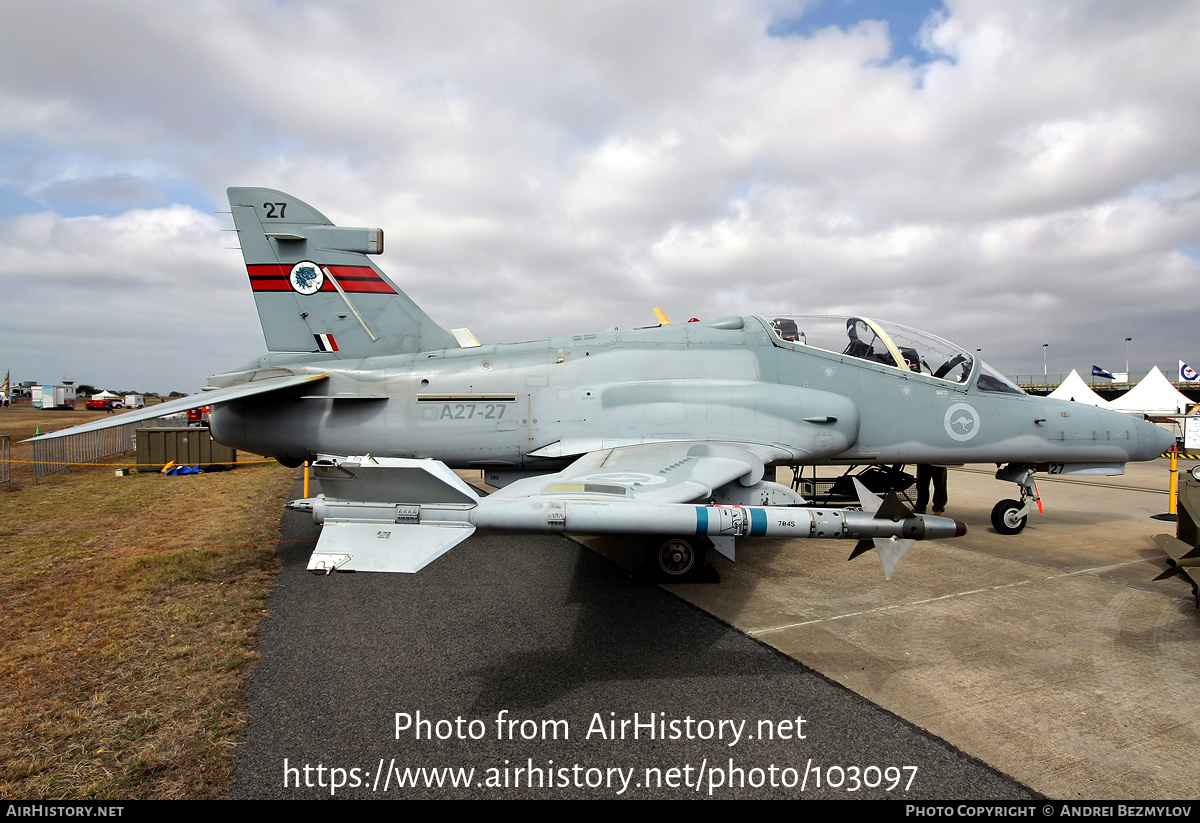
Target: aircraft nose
<point>1152,440</point>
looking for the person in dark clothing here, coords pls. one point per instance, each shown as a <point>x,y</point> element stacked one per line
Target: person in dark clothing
<point>937,474</point>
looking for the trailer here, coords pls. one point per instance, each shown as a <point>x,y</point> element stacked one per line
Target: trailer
<point>54,397</point>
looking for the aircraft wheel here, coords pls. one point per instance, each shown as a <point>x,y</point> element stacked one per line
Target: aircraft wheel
<point>675,558</point>
<point>1005,519</point>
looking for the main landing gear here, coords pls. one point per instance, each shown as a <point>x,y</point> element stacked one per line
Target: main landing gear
<point>1011,516</point>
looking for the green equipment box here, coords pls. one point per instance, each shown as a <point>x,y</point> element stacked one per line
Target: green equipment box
<point>186,445</point>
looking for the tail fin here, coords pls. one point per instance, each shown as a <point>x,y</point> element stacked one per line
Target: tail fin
<point>315,288</point>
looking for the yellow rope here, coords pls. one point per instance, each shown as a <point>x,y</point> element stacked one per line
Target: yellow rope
<point>134,465</point>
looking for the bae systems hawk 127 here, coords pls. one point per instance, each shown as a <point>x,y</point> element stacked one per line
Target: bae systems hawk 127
<point>665,432</point>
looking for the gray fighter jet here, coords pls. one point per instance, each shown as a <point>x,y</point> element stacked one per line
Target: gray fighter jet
<point>665,431</point>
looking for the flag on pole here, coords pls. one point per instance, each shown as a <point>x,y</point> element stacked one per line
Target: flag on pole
<point>4,386</point>
<point>1099,372</point>
<point>1186,373</point>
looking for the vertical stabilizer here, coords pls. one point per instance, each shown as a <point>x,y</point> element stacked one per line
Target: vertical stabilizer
<point>315,287</point>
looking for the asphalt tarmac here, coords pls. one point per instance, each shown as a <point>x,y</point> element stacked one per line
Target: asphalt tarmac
<point>540,669</point>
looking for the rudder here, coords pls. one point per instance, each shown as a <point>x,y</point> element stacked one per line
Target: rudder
<point>315,288</point>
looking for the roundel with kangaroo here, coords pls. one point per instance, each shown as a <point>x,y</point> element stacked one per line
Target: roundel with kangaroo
<point>961,421</point>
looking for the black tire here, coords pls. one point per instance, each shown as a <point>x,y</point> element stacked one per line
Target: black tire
<point>1004,517</point>
<point>675,558</point>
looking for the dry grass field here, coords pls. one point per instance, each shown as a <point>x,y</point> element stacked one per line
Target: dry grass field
<point>131,606</point>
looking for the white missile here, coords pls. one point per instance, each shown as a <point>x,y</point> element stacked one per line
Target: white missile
<point>587,517</point>
<point>377,535</point>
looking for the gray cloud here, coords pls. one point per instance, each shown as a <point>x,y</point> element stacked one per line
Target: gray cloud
<point>545,169</point>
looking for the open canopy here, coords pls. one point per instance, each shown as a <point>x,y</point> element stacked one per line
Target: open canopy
<point>890,344</point>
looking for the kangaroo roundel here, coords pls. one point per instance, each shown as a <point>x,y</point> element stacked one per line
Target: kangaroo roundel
<point>306,278</point>
<point>962,422</point>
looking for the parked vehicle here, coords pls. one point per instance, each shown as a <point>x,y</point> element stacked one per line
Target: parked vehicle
<point>53,397</point>
<point>198,417</point>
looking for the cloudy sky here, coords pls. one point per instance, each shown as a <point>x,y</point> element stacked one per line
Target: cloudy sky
<point>1001,174</point>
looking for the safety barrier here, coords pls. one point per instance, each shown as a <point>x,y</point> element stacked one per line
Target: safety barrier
<point>168,422</point>
<point>52,456</point>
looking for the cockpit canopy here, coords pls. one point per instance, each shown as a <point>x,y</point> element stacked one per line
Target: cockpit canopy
<point>890,344</point>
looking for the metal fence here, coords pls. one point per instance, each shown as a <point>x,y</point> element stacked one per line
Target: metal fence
<point>1051,381</point>
<point>168,422</point>
<point>51,456</point>
<point>5,457</point>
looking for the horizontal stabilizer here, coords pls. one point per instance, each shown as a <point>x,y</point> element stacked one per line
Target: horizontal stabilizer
<point>375,546</point>
<point>392,480</point>
<point>194,401</point>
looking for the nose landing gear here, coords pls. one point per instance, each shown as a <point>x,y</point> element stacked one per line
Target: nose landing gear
<point>1011,516</point>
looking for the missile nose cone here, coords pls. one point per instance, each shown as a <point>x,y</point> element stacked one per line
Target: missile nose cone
<point>960,528</point>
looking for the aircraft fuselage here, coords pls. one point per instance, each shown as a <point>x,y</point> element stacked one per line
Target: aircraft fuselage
<point>537,405</point>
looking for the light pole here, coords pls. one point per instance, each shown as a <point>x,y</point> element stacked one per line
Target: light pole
<point>1045,377</point>
<point>1127,339</point>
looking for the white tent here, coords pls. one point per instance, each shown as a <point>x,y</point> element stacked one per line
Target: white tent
<point>1073,388</point>
<point>105,395</point>
<point>1154,396</point>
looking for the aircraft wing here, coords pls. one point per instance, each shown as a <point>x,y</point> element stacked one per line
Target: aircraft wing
<point>629,484</point>
<point>666,472</point>
<point>194,401</point>
<point>399,514</point>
